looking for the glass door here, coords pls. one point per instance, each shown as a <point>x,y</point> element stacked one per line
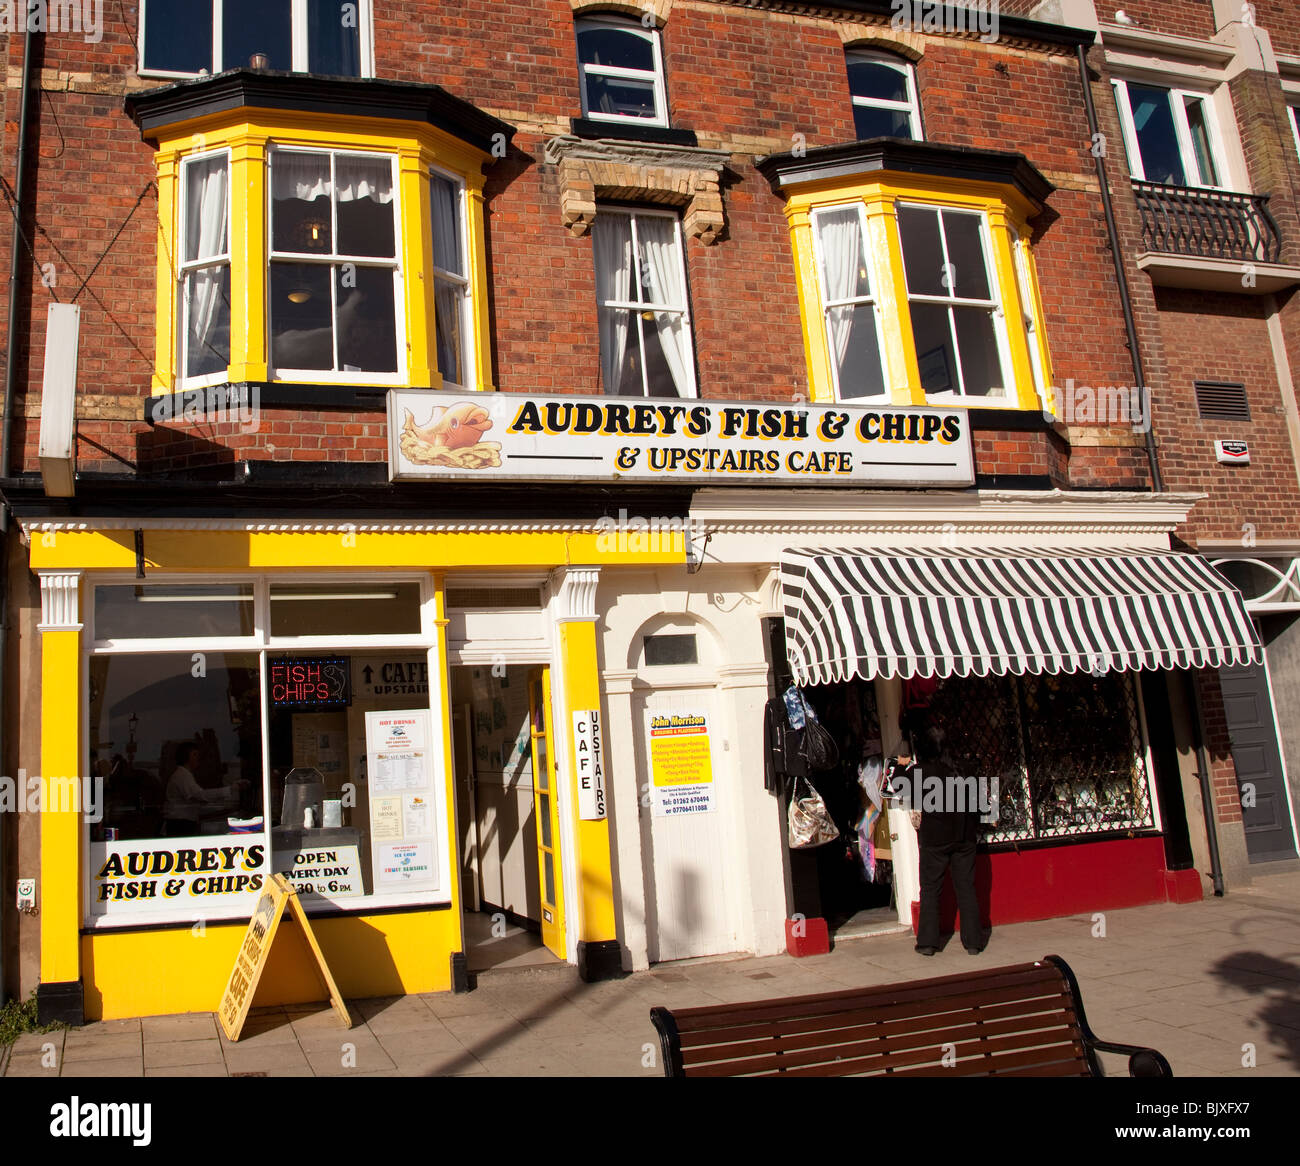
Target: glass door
<point>547,812</point>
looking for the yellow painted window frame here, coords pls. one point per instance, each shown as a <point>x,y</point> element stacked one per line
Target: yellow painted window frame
<point>1006,214</point>
<point>248,135</point>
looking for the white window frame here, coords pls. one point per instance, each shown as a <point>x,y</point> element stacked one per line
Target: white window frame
<point>637,307</point>
<point>1182,131</point>
<point>912,106</point>
<point>183,268</point>
<point>263,644</point>
<point>1293,115</point>
<point>334,259</point>
<point>1008,397</point>
<point>463,282</point>
<point>631,28</point>
<point>298,20</point>
<point>871,298</point>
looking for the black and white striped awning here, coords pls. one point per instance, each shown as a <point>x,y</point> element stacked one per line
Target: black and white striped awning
<point>1006,610</point>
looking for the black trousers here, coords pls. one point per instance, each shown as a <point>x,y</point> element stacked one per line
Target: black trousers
<point>959,857</point>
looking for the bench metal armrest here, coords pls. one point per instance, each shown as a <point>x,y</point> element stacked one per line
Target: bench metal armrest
<point>1142,1062</point>
<point>670,1041</point>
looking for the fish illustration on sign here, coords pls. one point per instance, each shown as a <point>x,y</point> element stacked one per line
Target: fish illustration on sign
<point>452,437</point>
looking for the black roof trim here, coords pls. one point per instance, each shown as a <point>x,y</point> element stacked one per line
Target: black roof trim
<point>310,491</point>
<point>344,97</point>
<point>907,157</point>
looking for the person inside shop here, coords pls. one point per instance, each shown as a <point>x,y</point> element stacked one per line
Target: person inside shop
<point>932,747</point>
<point>186,802</point>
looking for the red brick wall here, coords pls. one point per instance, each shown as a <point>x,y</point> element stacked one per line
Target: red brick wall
<point>1179,17</point>
<point>1225,339</point>
<point>745,79</point>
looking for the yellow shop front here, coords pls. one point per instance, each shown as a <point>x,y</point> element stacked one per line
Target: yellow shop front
<point>403,720</point>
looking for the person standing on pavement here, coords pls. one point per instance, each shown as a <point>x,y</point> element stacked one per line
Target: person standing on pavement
<point>949,822</point>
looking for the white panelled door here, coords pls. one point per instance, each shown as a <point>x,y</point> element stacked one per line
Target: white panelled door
<point>688,828</point>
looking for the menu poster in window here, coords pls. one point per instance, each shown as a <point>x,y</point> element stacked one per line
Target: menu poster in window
<point>681,763</point>
<point>402,800</point>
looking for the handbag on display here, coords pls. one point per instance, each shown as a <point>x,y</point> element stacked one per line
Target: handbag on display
<point>819,748</point>
<point>810,821</point>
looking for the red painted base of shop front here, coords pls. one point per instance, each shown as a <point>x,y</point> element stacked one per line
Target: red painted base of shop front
<point>1048,882</point>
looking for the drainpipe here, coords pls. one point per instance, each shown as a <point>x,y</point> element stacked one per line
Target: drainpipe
<point>6,432</point>
<point>1157,484</point>
<point>1130,326</point>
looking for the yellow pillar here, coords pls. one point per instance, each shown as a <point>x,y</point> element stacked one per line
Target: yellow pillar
<point>61,714</point>
<point>580,690</point>
<point>164,370</point>
<point>889,286</point>
<point>249,353</point>
<point>417,267</point>
<point>1021,393</point>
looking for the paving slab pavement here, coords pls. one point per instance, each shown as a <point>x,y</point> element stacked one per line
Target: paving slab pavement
<point>1214,985</point>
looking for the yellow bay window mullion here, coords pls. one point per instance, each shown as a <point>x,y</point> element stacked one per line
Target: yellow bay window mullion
<point>1022,392</point>
<point>166,373</point>
<point>416,258</point>
<point>249,246</point>
<point>812,310</point>
<point>478,286</point>
<point>889,286</point>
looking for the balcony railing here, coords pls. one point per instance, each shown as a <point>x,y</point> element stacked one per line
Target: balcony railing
<point>1207,224</point>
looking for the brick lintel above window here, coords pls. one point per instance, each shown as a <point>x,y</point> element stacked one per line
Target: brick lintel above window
<point>677,176</point>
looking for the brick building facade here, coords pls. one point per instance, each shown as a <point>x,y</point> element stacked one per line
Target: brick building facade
<point>746,130</point>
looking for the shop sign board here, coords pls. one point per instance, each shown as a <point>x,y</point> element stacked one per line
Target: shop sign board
<point>317,683</point>
<point>402,800</point>
<point>497,436</point>
<point>681,763</point>
<point>589,765</point>
<point>203,875</point>
<point>255,950</point>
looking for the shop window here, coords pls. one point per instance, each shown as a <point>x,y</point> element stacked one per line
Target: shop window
<point>179,749</point>
<point>186,37</point>
<point>335,610</point>
<point>1067,750</point>
<point>135,612</point>
<point>852,322</point>
<point>645,331</point>
<point>957,321</point>
<point>1168,134</point>
<point>671,650</point>
<point>204,268</point>
<point>349,804</point>
<point>334,274</point>
<point>884,95</point>
<point>621,63</point>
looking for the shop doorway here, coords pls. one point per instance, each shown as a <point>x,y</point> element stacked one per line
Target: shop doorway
<point>1253,731</point>
<point>852,885</point>
<point>507,816</point>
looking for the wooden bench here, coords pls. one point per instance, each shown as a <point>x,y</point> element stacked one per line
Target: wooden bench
<point>1020,1021</point>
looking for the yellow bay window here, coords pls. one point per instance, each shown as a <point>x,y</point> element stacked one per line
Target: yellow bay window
<point>319,233</point>
<point>915,275</point>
